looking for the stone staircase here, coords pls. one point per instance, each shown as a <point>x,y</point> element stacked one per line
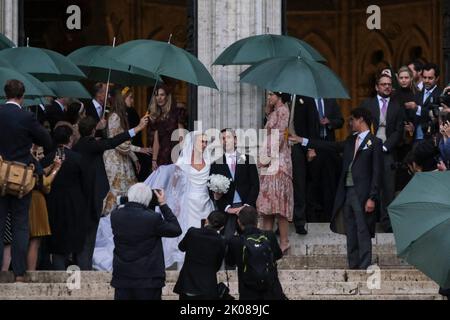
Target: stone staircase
<point>314,269</point>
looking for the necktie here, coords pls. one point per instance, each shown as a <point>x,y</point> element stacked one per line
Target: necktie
<point>357,142</point>
<point>321,116</point>
<point>426,95</point>
<point>384,106</point>
<point>233,164</point>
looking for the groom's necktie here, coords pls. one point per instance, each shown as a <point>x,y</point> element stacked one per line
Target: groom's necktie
<point>233,164</point>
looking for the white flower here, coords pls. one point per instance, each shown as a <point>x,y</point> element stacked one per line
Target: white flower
<point>218,183</point>
<point>242,158</point>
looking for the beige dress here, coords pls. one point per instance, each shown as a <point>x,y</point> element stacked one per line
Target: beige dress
<point>276,191</point>
<point>118,166</point>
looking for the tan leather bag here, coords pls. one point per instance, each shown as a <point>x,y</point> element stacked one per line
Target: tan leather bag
<point>16,178</point>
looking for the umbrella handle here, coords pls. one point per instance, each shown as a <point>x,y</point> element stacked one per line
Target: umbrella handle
<point>153,93</point>
<point>107,85</point>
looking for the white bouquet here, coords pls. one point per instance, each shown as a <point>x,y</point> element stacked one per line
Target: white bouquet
<point>218,183</point>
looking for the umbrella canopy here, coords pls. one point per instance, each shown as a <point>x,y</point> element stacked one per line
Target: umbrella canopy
<point>68,89</point>
<point>420,217</point>
<point>5,42</point>
<point>296,75</point>
<point>33,87</point>
<point>44,64</point>
<point>163,58</point>
<point>30,102</point>
<point>96,64</point>
<point>261,47</point>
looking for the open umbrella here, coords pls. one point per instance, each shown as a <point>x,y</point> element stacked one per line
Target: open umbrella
<point>261,47</point>
<point>5,42</point>
<point>163,58</point>
<point>33,87</point>
<point>44,64</point>
<point>68,89</point>
<point>96,64</point>
<point>420,217</point>
<point>296,75</point>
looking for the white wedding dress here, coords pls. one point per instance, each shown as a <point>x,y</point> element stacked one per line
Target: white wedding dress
<point>186,194</point>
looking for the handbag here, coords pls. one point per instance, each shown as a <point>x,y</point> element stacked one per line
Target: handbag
<point>16,179</point>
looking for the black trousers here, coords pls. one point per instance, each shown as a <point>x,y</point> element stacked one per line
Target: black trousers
<point>299,184</point>
<point>19,209</point>
<point>137,294</point>
<point>359,240</point>
<point>84,258</point>
<point>231,224</point>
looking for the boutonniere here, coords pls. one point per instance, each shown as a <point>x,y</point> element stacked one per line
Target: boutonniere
<point>301,101</point>
<point>242,158</point>
<point>369,143</point>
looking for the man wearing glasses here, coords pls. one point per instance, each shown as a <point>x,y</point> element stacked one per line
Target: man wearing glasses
<point>387,125</point>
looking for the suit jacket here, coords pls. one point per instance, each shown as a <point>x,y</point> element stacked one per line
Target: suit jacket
<point>54,114</point>
<point>424,119</point>
<point>394,121</point>
<point>20,130</point>
<point>234,257</point>
<point>138,260</point>
<point>366,172</point>
<point>91,111</point>
<point>331,111</point>
<point>205,250</point>
<point>246,181</point>
<point>95,180</point>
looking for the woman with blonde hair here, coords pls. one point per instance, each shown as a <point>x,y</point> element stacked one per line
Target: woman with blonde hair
<point>119,161</point>
<point>165,118</point>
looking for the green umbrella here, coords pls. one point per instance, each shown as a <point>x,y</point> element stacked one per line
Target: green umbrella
<point>261,47</point>
<point>296,75</point>
<point>95,63</point>
<point>33,87</point>
<point>30,102</point>
<point>5,42</point>
<point>68,89</point>
<point>44,64</point>
<point>163,58</point>
<point>420,218</point>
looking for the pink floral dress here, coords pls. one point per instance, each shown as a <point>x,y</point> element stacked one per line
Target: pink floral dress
<point>276,190</point>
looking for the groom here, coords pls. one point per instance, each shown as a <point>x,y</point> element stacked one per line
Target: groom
<point>244,186</point>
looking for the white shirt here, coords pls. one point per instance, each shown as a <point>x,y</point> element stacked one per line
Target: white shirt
<point>98,107</point>
<point>12,102</point>
<point>60,105</point>
<point>363,135</point>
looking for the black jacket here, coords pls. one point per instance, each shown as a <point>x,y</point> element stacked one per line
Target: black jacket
<point>205,250</point>
<point>54,114</point>
<point>394,121</point>
<point>246,180</point>
<point>424,119</point>
<point>19,130</point>
<point>95,181</point>
<point>234,257</point>
<point>91,111</point>
<point>138,254</point>
<point>366,172</point>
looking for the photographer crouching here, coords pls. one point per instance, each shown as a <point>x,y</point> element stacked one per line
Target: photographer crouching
<point>138,263</point>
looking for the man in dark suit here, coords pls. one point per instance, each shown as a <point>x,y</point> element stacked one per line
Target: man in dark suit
<point>96,185</point>
<point>205,250</point>
<point>20,130</point>
<point>388,118</point>
<point>55,111</point>
<point>248,221</point>
<point>324,117</point>
<point>244,186</point>
<point>358,189</point>
<point>138,262</point>
<point>96,108</point>
<point>425,100</point>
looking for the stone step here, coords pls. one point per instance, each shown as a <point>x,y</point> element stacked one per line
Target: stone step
<point>291,289</point>
<point>305,275</point>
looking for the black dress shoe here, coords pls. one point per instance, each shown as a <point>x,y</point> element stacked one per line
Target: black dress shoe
<point>301,230</point>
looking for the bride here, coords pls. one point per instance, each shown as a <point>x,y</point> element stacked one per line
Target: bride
<point>185,183</point>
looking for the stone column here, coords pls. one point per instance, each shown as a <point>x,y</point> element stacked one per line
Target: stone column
<point>9,19</point>
<point>220,23</point>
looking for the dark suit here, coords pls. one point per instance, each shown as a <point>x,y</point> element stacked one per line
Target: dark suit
<point>395,117</point>
<point>234,257</point>
<point>54,114</point>
<point>245,182</point>
<point>424,119</point>
<point>298,156</point>
<point>353,221</point>
<point>95,181</point>
<point>138,261</point>
<point>205,250</point>
<point>91,111</point>
<point>19,130</point>
<point>324,169</point>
